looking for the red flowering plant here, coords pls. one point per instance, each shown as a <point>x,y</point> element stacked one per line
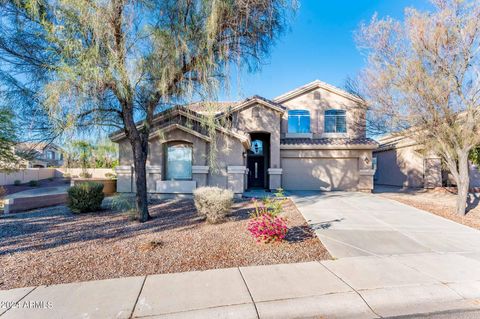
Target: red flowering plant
<point>266,228</point>
<point>265,224</point>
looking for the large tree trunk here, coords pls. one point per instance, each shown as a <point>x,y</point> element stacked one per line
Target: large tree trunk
<point>140,153</point>
<point>139,142</point>
<point>463,182</point>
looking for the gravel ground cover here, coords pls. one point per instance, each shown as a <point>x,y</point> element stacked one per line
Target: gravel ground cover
<point>52,246</point>
<point>440,202</point>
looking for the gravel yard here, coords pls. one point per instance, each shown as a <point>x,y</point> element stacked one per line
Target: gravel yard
<point>440,202</point>
<point>52,246</point>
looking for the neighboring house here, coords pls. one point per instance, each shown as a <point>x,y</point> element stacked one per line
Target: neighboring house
<point>311,138</point>
<point>401,161</point>
<point>40,155</point>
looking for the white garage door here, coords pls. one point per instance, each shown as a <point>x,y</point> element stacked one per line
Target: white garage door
<point>320,173</point>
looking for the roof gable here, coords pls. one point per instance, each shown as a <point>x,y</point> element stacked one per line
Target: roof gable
<point>317,84</point>
<point>256,99</point>
<point>171,119</point>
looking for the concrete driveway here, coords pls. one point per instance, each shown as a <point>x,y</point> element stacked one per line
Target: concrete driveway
<point>356,224</point>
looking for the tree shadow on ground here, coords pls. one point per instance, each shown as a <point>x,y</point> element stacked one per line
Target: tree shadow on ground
<point>473,200</point>
<point>326,224</point>
<point>57,226</point>
<point>298,234</point>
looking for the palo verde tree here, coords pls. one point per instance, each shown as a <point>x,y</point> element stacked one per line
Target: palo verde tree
<point>7,139</point>
<point>422,80</point>
<point>116,62</point>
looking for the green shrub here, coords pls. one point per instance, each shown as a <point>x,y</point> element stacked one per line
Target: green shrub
<point>124,203</point>
<point>33,183</point>
<point>85,197</point>
<point>51,179</point>
<point>214,203</point>
<point>110,175</point>
<point>269,205</point>
<point>17,182</point>
<point>85,175</point>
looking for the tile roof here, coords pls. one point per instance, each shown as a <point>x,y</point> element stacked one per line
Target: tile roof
<point>216,107</point>
<point>327,141</point>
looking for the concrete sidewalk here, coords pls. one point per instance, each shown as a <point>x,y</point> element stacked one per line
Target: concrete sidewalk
<point>357,287</point>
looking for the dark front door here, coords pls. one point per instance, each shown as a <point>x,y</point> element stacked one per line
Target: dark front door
<point>256,171</point>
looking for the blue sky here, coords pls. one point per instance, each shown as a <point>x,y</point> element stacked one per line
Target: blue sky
<point>318,45</point>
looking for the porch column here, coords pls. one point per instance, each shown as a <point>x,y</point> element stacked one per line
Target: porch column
<point>236,178</point>
<point>199,174</point>
<point>275,178</point>
<point>365,182</point>
<point>154,174</point>
<point>124,179</point>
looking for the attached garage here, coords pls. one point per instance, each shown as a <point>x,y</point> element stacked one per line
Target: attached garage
<point>327,164</point>
<point>320,173</point>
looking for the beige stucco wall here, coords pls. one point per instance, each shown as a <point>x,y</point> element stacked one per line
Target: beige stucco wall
<point>474,176</point>
<point>259,118</point>
<point>228,152</point>
<point>319,100</point>
<point>399,167</point>
<point>326,169</point>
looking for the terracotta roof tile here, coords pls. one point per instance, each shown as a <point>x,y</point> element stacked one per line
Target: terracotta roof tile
<point>216,107</point>
<point>328,141</point>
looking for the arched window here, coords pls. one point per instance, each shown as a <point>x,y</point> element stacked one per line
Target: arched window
<point>298,121</point>
<point>257,147</point>
<point>178,163</point>
<point>335,121</point>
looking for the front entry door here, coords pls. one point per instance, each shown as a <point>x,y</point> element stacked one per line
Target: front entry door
<point>256,171</point>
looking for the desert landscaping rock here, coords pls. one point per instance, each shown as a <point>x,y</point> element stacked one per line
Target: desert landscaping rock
<point>52,246</point>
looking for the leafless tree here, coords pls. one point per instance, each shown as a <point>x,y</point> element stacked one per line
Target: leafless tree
<point>422,80</point>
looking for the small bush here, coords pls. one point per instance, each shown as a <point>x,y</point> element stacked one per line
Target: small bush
<point>33,183</point>
<point>3,192</point>
<point>269,205</point>
<point>124,203</point>
<point>51,179</point>
<point>110,175</point>
<point>214,203</point>
<point>85,197</point>
<point>266,228</point>
<point>17,182</point>
<point>85,175</point>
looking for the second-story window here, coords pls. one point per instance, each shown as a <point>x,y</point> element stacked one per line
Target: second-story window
<point>335,121</point>
<point>298,121</point>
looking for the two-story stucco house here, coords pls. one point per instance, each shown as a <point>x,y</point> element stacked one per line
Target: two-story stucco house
<point>39,155</point>
<point>311,138</point>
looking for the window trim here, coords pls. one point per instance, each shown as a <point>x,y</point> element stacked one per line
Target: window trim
<point>335,116</point>
<point>298,116</point>
<point>179,144</point>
